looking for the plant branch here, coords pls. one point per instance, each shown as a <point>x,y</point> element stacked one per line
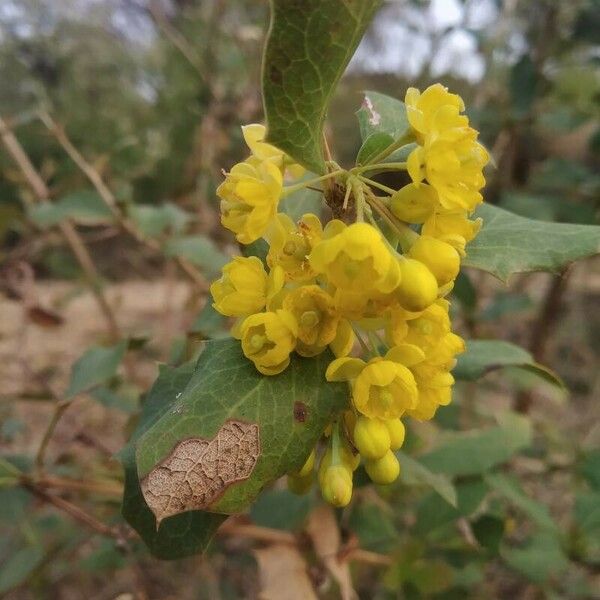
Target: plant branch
<point>109,199</point>
<point>67,229</point>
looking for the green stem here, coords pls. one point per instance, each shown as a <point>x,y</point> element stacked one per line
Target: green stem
<point>379,186</point>
<point>374,343</point>
<point>391,166</point>
<point>401,141</point>
<point>290,189</point>
<point>359,195</point>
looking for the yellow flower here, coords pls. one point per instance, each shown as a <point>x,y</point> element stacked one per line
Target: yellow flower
<point>434,110</point>
<point>249,197</point>
<point>414,203</point>
<point>453,228</point>
<point>290,245</point>
<point>371,437</point>
<point>268,339</point>
<point>336,485</point>
<point>418,287</point>
<point>397,433</point>
<point>244,288</point>
<point>383,470</point>
<point>427,330</point>
<point>355,259</point>
<point>254,135</point>
<point>435,390</point>
<point>453,168</point>
<point>433,377</point>
<point>383,388</point>
<point>344,339</point>
<point>313,309</point>
<point>442,259</point>
<point>449,156</point>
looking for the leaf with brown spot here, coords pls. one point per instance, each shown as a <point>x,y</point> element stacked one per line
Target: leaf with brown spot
<point>188,471</point>
<point>198,471</point>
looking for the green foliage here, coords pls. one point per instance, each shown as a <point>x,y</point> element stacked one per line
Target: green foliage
<point>414,473</point>
<point>483,356</point>
<point>96,366</point>
<point>477,451</point>
<point>199,250</point>
<point>85,207</point>
<point>226,387</point>
<point>309,45</point>
<point>19,567</point>
<point>186,533</point>
<point>510,244</point>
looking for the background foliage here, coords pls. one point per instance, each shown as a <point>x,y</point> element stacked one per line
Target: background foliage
<point>128,110</point>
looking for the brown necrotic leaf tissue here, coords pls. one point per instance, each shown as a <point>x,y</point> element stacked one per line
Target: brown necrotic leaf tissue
<point>198,471</point>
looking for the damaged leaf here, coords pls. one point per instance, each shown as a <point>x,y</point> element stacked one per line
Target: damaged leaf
<point>232,431</point>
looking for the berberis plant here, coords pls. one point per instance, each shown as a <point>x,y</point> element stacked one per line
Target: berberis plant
<point>341,327</point>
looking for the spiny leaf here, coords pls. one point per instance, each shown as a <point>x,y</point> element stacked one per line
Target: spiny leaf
<point>509,244</point>
<point>310,42</point>
<point>184,534</point>
<point>483,356</point>
<point>233,430</point>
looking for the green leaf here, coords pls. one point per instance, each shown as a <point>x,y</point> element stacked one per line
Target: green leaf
<point>199,250</point>
<point>301,202</point>
<point>382,114</point>
<point>308,47</point>
<point>259,248</point>
<point>474,452</point>
<point>96,366</point>
<point>186,533</point>
<point>432,512</point>
<point>590,468</point>
<point>373,146</point>
<point>541,558</point>
<point>153,220</point>
<point>265,427</point>
<point>510,488</point>
<point>508,243</point>
<point>382,121</point>
<point>587,512</point>
<point>281,509</point>
<point>523,84</point>
<point>210,324</point>
<point>85,207</point>
<point>374,527</point>
<point>413,473</point>
<point>19,566</point>
<point>483,356</point>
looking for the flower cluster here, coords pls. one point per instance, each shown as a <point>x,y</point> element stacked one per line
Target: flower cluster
<point>348,286</point>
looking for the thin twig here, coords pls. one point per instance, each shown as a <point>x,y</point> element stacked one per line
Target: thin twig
<point>109,199</point>
<point>59,408</point>
<point>176,38</point>
<point>79,514</point>
<point>105,488</point>
<point>67,229</point>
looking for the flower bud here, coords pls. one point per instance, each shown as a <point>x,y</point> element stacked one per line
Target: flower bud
<point>440,258</point>
<point>397,433</point>
<point>336,485</point>
<point>308,465</point>
<point>418,287</point>
<point>299,484</point>
<point>383,470</point>
<point>371,437</point>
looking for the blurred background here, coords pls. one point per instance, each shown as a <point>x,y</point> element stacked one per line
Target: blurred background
<point>116,118</point>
